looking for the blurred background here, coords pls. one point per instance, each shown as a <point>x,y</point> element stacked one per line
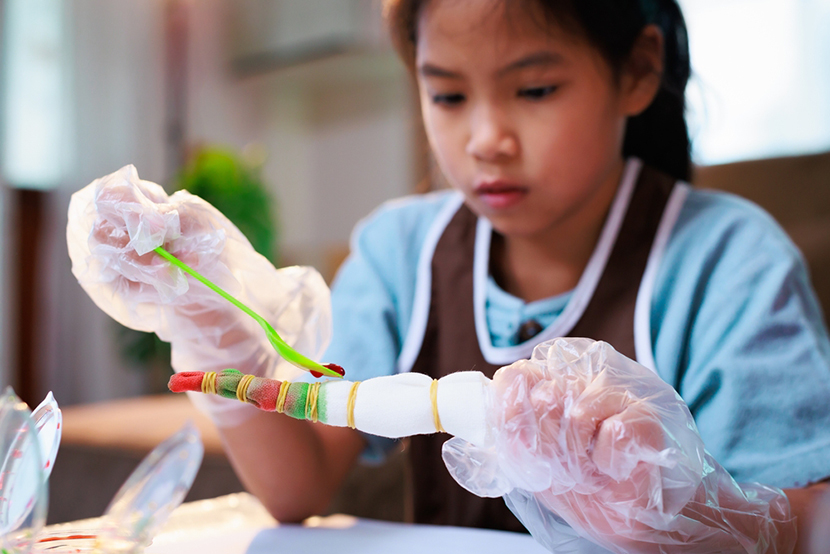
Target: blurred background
<point>303,105</point>
<point>306,94</point>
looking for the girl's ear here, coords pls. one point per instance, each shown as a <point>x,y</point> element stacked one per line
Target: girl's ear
<point>643,72</point>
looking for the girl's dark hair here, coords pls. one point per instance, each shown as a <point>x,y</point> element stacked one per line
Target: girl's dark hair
<point>659,135</point>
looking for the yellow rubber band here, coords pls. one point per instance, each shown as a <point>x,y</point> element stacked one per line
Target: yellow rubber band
<point>209,382</point>
<point>242,387</point>
<point>281,396</point>
<point>311,402</point>
<point>433,396</point>
<point>350,405</point>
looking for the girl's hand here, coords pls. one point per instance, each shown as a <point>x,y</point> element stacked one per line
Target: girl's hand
<point>114,225</point>
<point>583,435</point>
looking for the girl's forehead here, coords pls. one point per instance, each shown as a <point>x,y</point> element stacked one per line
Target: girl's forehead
<point>491,29</point>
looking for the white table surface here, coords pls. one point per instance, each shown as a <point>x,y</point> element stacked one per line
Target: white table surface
<point>360,536</point>
<point>239,524</point>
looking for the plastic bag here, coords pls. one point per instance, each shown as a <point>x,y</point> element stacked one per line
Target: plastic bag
<point>588,444</point>
<point>115,223</point>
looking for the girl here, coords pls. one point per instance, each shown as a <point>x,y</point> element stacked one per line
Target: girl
<point>532,109</point>
<point>560,127</point>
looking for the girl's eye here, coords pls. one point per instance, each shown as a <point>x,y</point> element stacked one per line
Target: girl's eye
<point>536,93</point>
<point>452,99</point>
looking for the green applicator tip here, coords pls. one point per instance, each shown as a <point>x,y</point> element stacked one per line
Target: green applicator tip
<point>288,353</point>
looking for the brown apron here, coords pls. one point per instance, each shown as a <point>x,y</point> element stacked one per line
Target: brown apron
<point>450,343</point>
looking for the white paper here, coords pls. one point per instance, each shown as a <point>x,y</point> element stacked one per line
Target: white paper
<point>400,405</point>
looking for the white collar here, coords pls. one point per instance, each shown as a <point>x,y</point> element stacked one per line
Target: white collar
<point>582,293</point>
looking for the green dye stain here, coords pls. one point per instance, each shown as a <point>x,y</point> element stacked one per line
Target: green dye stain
<point>227,381</point>
<point>295,400</point>
<point>321,405</point>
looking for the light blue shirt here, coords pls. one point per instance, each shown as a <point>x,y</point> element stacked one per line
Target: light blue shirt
<point>736,327</point>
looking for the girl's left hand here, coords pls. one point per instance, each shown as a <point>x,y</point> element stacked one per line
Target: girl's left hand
<point>583,435</point>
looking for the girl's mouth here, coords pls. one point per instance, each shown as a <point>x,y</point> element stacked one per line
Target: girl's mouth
<point>499,195</point>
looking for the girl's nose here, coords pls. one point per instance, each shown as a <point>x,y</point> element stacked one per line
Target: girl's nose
<point>491,140</point>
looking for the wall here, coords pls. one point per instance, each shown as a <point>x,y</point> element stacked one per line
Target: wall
<point>337,133</point>
<point>117,116</point>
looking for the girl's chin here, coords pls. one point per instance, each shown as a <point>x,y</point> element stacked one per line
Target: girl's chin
<point>515,226</point>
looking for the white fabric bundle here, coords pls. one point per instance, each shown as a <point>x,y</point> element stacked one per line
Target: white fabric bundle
<point>397,406</point>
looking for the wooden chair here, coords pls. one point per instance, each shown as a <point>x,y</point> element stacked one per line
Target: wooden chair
<point>796,192</point>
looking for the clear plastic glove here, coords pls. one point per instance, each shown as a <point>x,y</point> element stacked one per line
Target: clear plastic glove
<point>115,223</point>
<point>588,444</point>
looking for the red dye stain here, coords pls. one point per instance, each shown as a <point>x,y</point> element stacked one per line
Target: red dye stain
<point>48,463</point>
<point>186,381</point>
<point>334,367</point>
<point>67,538</point>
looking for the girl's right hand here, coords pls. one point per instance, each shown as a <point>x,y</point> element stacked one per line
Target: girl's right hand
<point>114,225</point>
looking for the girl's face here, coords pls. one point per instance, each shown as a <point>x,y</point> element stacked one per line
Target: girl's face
<point>526,121</point>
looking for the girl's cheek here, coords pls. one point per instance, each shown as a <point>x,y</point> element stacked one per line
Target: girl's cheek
<point>442,139</point>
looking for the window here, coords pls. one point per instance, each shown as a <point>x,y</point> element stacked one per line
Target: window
<point>760,78</point>
<point>32,96</point>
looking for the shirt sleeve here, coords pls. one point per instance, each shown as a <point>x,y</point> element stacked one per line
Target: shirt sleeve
<point>740,334</point>
<point>365,339</point>
<point>373,292</point>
